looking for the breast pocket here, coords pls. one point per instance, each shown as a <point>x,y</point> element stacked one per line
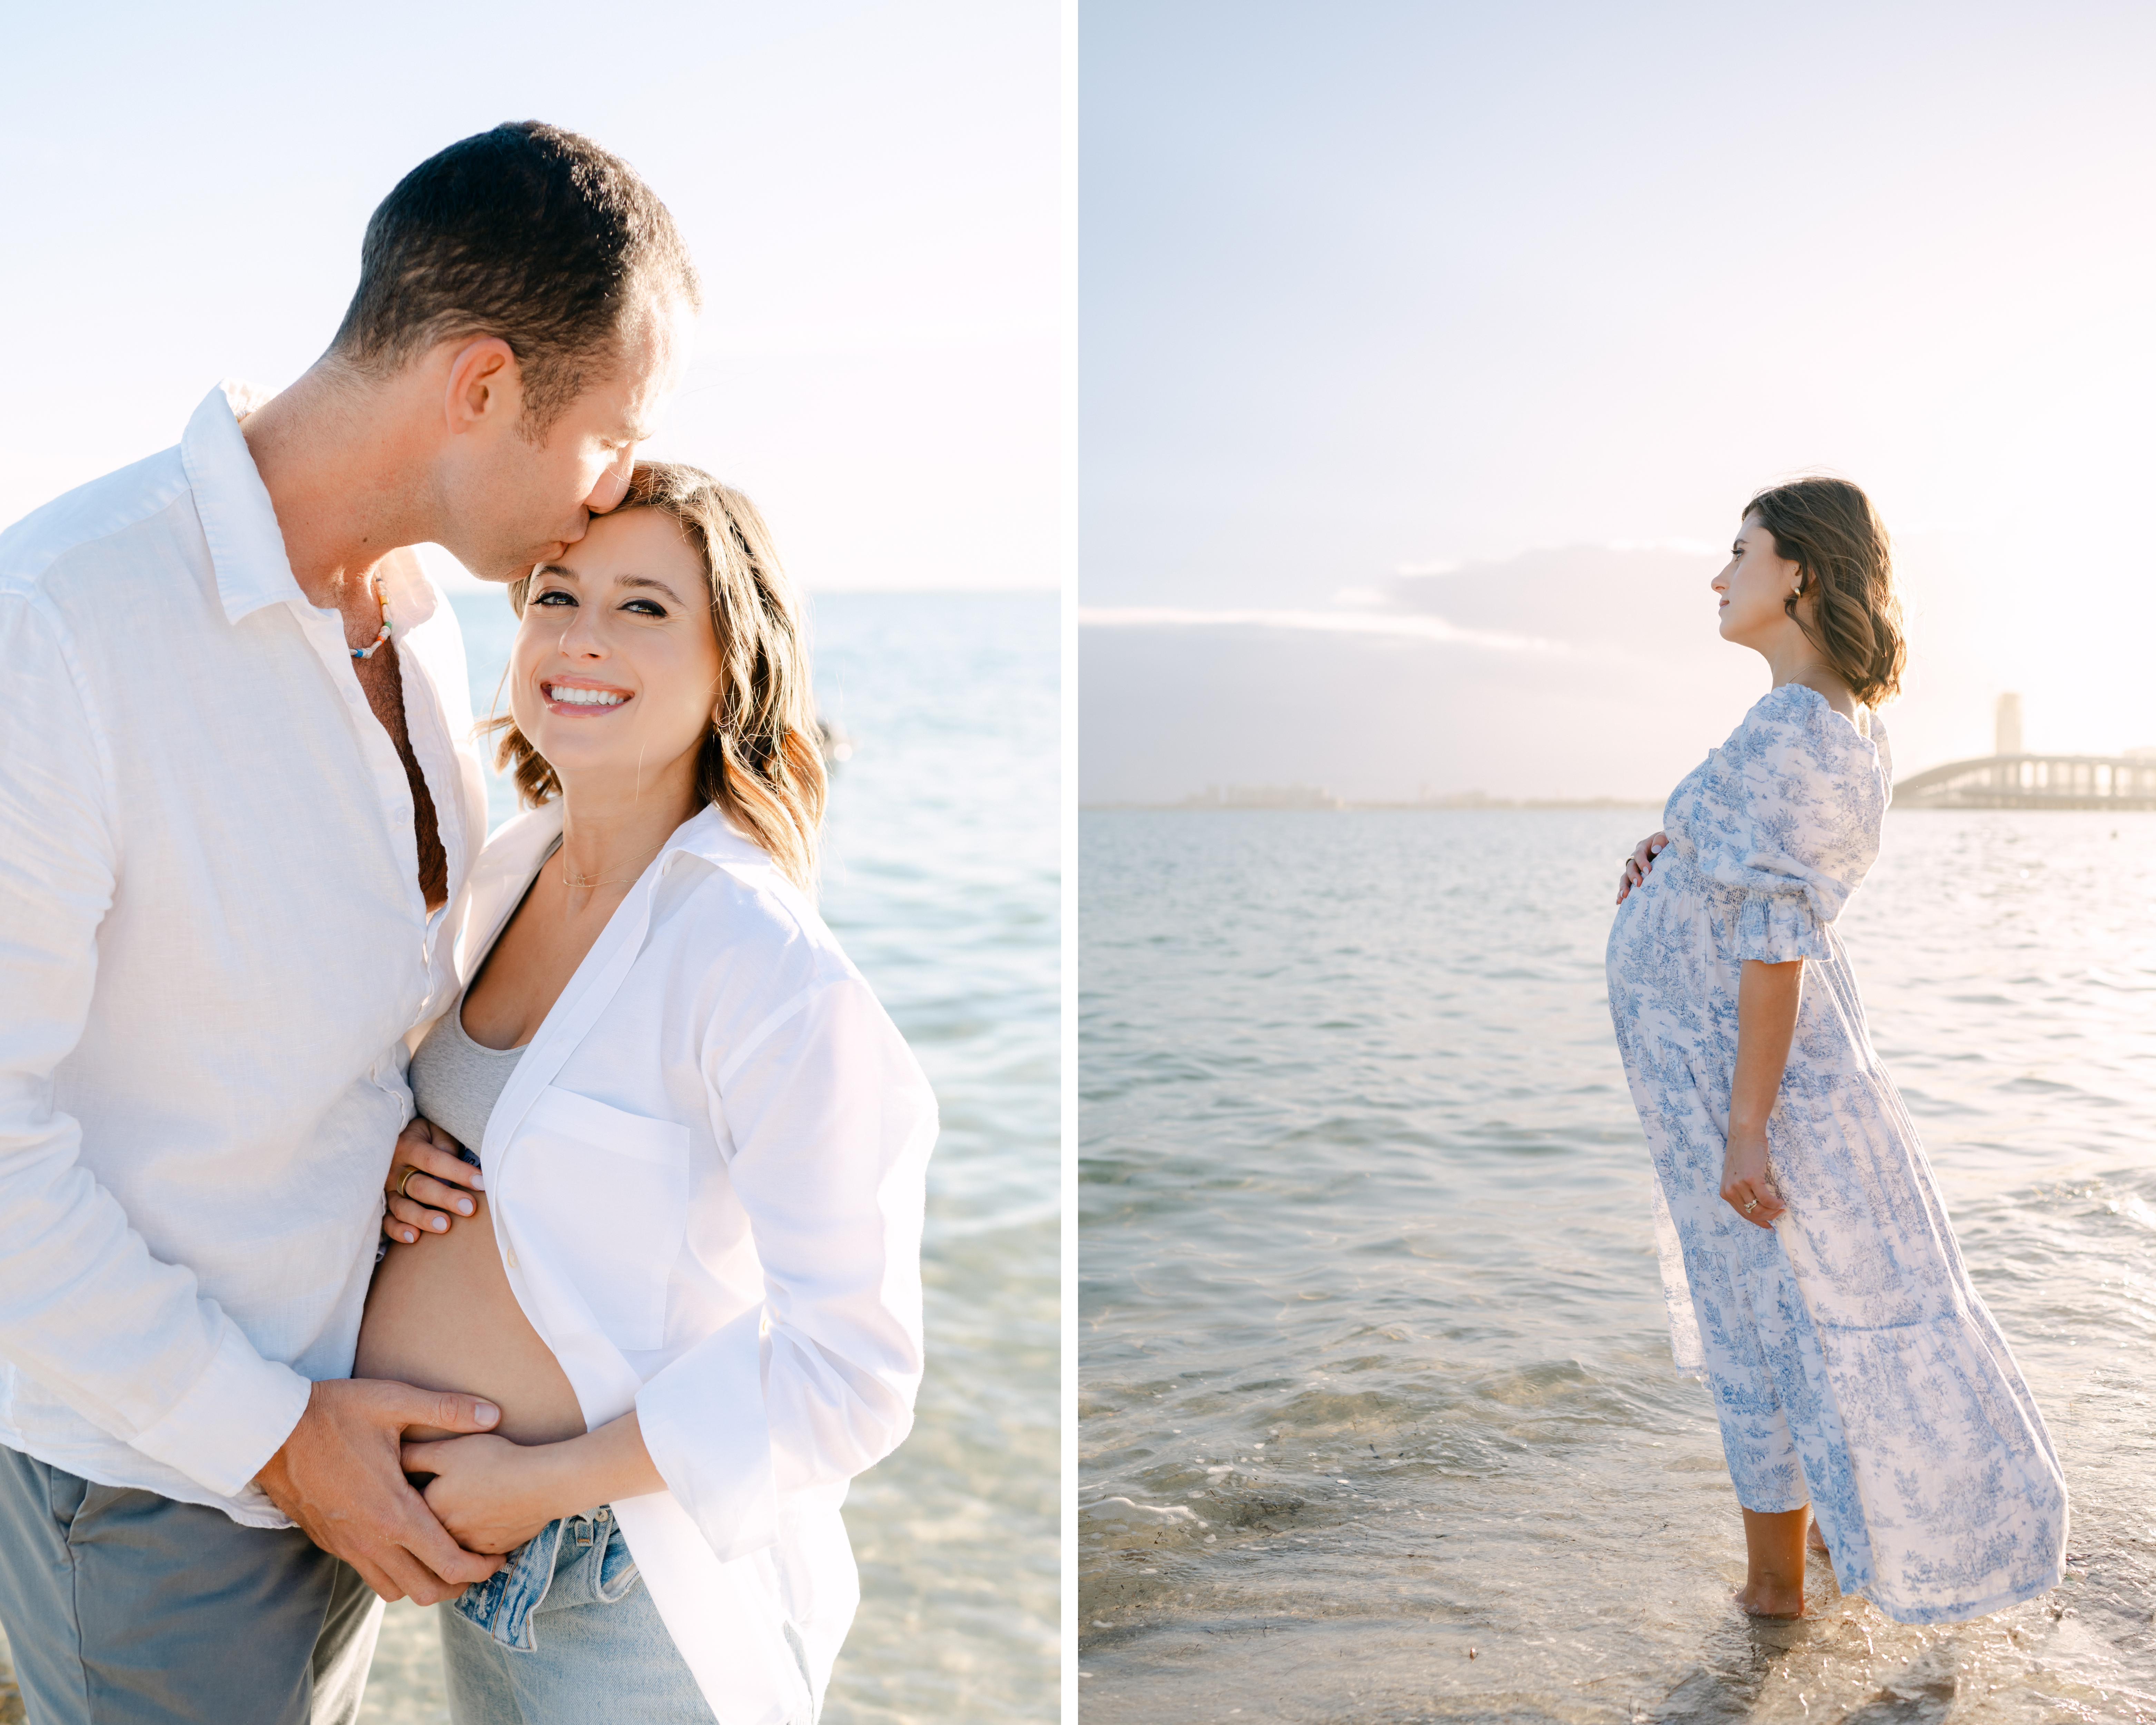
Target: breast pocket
<point>607,1192</point>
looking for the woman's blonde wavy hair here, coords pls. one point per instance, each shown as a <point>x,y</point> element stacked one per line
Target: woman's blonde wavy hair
<point>762,760</point>
<point>1829,528</point>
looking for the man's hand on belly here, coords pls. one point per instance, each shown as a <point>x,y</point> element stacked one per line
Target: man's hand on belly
<point>339,1477</point>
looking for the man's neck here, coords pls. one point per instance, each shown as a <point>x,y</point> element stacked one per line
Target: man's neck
<point>335,456</point>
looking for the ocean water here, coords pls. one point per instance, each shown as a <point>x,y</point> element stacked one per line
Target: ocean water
<point>1378,1419</point>
<point>942,882</point>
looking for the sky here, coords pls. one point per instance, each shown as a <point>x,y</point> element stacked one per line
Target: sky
<point>1538,295</point>
<point>870,192</point>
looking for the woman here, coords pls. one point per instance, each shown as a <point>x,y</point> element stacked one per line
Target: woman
<point>1811,1276</point>
<point>690,1277</point>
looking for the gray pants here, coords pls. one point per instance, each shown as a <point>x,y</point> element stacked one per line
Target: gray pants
<point>124,1608</point>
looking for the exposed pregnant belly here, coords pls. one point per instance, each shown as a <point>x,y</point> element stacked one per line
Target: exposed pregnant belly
<point>441,1316</point>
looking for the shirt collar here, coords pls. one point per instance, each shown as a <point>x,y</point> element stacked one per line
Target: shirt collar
<point>246,546</point>
<point>517,848</point>
<point>711,834</point>
<point>405,585</point>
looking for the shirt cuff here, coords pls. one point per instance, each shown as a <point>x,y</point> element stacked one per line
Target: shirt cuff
<point>705,1430</point>
<point>1774,927</point>
<point>224,1429</point>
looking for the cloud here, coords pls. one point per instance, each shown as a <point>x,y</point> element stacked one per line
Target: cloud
<point>1436,566</point>
<point>1648,602</point>
<point>1165,710</point>
<point>1421,626</point>
<point>1581,671</point>
<point>1681,547</point>
<point>1578,672</point>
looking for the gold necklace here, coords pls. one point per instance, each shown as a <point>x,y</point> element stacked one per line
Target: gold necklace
<point>589,881</point>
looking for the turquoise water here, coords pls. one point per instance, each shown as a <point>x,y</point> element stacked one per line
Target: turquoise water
<point>1377,1417</point>
<point>943,881</point>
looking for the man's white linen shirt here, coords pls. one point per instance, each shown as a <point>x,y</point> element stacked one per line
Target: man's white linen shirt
<point>211,944</point>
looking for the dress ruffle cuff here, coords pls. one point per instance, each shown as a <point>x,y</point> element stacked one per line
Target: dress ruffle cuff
<point>1775,927</point>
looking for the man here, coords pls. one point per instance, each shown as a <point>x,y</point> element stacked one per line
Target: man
<point>238,804</point>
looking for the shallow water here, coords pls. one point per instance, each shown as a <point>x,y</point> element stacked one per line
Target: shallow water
<point>1377,1417</point>
<point>944,882</point>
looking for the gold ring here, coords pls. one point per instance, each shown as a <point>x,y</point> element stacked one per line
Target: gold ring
<point>406,1181</point>
<point>1752,1206</point>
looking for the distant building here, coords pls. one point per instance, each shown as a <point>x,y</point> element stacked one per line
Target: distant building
<point>2013,779</point>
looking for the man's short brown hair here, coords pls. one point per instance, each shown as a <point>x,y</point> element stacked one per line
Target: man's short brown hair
<point>528,232</point>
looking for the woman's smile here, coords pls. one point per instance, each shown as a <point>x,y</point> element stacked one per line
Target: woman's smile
<point>583,697</point>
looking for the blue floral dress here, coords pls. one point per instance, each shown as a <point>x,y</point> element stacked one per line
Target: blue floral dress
<point>1852,1364</point>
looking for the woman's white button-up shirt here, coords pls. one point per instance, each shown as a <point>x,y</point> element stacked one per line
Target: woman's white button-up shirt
<point>706,1177</point>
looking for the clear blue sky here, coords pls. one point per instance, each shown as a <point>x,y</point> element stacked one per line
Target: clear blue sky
<point>1371,287</point>
<point>871,192</point>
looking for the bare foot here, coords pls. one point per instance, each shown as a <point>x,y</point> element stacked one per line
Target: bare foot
<point>1774,1562</point>
<point>1761,1598</point>
<point>1816,1541</point>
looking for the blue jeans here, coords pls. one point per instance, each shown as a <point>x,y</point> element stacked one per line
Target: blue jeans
<point>563,1633</point>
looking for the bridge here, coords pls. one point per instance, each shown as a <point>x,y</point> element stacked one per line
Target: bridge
<point>2017,781</point>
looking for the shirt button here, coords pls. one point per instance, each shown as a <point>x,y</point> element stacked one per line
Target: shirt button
<point>512,1257</point>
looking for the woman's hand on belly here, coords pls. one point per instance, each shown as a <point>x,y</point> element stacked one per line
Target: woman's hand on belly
<point>493,1495</point>
<point>1640,863</point>
<point>429,1184</point>
<point>490,1498</point>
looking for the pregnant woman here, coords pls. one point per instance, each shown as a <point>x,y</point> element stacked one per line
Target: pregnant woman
<point>688,1266</point>
<point>1811,1275</point>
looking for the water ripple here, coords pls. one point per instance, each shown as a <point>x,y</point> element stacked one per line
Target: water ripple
<point>1378,1420</point>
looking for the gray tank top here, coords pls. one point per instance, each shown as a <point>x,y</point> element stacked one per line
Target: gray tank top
<point>456,1082</point>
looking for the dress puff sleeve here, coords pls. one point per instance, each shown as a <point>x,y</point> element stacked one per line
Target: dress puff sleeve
<point>1804,795</point>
